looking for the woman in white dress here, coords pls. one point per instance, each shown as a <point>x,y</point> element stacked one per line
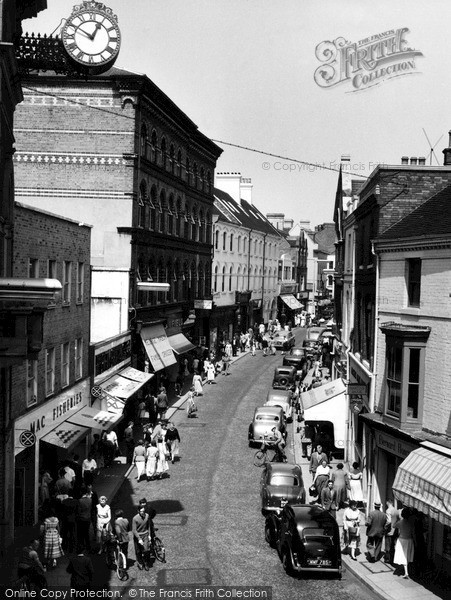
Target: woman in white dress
<point>162,463</point>
<point>351,525</point>
<point>404,548</point>
<point>210,373</point>
<point>355,484</point>
<point>197,383</point>
<point>103,520</point>
<point>151,460</point>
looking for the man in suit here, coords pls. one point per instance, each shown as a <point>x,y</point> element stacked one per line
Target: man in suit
<point>375,531</point>
<point>81,571</point>
<point>316,459</point>
<point>329,498</point>
<point>390,532</point>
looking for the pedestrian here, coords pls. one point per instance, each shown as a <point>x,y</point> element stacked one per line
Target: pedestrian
<point>355,484</point>
<point>351,528</point>
<point>85,511</point>
<point>375,531</point>
<point>81,571</point>
<point>103,522</point>
<point>147,434</point>
<point>329,498</point>
<point>31,567</point>
<point>139,459</point>
<point>52,539</point>
<point>197,384</point>
<point>419,543</point>
<point>179,384</point>
<point>316,458</point>
<point>172,441</point>
<point>62,485</point>
<point>195,364</point>
<point>185,367</point>
<point>272,347</point>
<point>68,523</point>
<point>341,483</point>
<point>322,476</point>
<point>404,548</point>
<point>141,538</point>
<point>307,432</point>
<point>235,344</point>
<point>253,346</point>
<point>162,469</point>
<point>97,451</point>
<point>226,362</point>
<point>265,346</point>
<point>151,460</point>
<point>129,442</point>
<point>210,373</point>
<point>44,489</point>
<point>111,447</point>
<point>143,413</point>
<point>89,469</point>
<point>151,405</point>
<point>121,529</point>
<point>392,515</point>
<point>162,403</point>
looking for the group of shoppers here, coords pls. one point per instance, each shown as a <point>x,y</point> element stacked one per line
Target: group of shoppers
<point>152,454</point>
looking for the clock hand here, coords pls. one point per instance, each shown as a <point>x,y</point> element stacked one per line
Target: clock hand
<point>85,33</point>
<point>94,33</point>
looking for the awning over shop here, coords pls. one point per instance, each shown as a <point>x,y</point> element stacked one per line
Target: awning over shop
<point>96,419</point>
<point>180,344</point>
<point>157,347</point>
<point>125,383</point>
<point>66,435</point>
<point>423,481</point>
<point>291,301</point>
<point>328,403</point>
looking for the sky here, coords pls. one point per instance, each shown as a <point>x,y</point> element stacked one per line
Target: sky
<point>244,72</point>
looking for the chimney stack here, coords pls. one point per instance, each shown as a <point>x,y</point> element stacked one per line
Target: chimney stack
<point>413,160</point>
<point>447,152</point>
<point>404,160</point>
<point>246,189</point>
<point>422,161</point>
<point>230,183</point>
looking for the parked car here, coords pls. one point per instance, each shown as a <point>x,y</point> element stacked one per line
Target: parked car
<point>281,484</point>
<point>283,340</point>
<point>281,398</point>
<point>307,539</point>
<point>284,378</point>
<point>311,347</point>
<point>297,358</point>
<point>265,418</point>
<point>313,333</point>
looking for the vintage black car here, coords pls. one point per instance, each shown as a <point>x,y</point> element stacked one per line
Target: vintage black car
<point>284,378</point>
<point>297,357</point>
<point>307,539</point>
<point>311,348</point>
<point>281,484</point>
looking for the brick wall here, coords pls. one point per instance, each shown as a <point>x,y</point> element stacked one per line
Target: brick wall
<point>39,235</point>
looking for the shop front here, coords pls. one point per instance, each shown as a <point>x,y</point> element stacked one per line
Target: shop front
<point>222,325</point>
<point>242,300</point>
<point>357,374</point>
<point>43,438</point>
<point>289,306</point>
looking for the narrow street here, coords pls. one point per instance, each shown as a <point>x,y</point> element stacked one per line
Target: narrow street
<point>209,508</point>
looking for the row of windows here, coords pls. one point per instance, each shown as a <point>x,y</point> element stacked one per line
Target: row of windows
<point>167,157</point>
<point>229,243</point>
<point>50,362</point>
<point>49,268</point>
<point>226,278</point>
<point>170,216</point>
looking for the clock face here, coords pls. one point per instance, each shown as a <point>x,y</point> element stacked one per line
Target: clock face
<point>92,38</point>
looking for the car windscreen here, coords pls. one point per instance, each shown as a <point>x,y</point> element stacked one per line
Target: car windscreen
<point>283,480</point>
<point>267,418</point>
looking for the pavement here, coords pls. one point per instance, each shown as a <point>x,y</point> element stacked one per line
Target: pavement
<point>379,577</point>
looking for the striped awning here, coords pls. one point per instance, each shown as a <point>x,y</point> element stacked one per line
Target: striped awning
<point>423,481</point>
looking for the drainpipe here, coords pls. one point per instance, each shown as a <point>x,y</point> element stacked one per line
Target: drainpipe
<point>263,273</point>
<point>376,330</point>
<point>249,259</point>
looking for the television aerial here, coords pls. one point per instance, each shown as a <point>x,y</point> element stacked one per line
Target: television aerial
<point>432,147</point>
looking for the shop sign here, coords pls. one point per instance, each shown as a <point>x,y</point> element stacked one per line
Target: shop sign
<point>355,390</point>
<point>49,414</point>
<point>393,445</point>
<point>288,288</point>
<point>203,304</point>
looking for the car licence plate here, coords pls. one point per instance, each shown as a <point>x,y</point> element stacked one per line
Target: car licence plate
<point>319,562</point>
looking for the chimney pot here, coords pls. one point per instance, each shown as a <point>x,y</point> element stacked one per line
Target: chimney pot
<point>413,160</point>
<point>404,160</point>
<point>422,160</point>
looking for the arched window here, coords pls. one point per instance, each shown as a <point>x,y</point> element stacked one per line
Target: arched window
<point>238,244</point>
<point>142,200</point>
<point>223,279</point>
<point>216,240</point>
<point>153,208</point>
<point>164,155</point>
<point>179,163</point>
<point>162,212</point>
<point>143,141</point>
<point>208,231</point>
<point>230,279</point>
<point>244,245</point>
<point>195,175</point>
<point>255,248</point>
<point>224,238</point>
<point>209,182</point>
<point>201,226</point>
<point>185,279</point>
<point>172,158</point>
<point>154,145</point>
<point>261,248</point>
<point>179,218</point>
<point>202,179</point>
<point>255,282</point>
<point>171,215</point>
<point>231,242</point>
<point>238,279</point>
<point>194,225</point>
<point>187,218</point>
<point>188,171</point>
<point>216,279</point>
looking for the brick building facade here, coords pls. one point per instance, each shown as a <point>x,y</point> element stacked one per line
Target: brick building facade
<point>47,245</point>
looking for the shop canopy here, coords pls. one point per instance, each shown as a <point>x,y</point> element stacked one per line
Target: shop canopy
<point>328,403</point>
<point>291,301</point>
<point>180,344</point>
<point>157,347</point>
<point>66,435</point>
<point>96,419</point>
<point>423,481</point>
<point>125,383</point>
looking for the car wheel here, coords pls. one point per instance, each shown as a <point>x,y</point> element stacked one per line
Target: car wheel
<point>270,534</point>
<point>287,562</point>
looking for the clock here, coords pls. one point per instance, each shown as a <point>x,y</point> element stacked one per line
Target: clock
<point>91,37</point>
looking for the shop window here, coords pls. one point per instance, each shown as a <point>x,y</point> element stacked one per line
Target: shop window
<point>78,358</point>
<point>65,364</point>
<point>413,268</point>
<point>49,371</point>
<point>32,382</point>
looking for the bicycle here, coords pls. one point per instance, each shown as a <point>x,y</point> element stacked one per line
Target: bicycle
<point>268,453</point>
<point>157,547</point>
<point>115,559</point>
